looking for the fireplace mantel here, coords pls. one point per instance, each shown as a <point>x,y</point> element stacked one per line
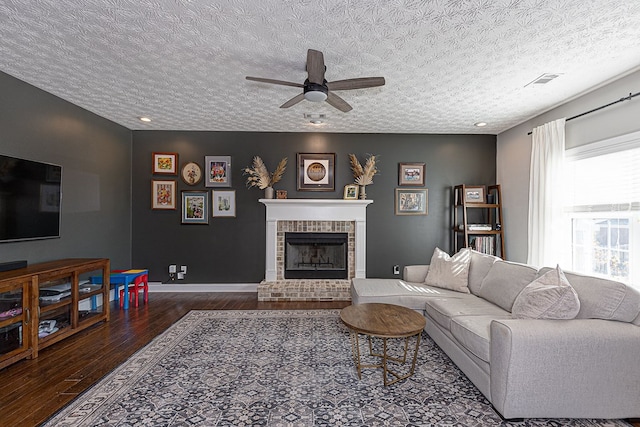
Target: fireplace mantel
<point>315,210</point>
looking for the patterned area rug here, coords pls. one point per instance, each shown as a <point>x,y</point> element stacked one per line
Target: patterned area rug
<point>278,368</point>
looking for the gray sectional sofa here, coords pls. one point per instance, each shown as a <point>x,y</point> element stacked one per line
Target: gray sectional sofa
<point>586,367</point>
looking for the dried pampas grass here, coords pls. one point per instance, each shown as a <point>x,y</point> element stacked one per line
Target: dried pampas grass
<point>260,177</point>
<point>363,175</point>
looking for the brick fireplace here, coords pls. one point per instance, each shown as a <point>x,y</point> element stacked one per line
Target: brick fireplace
<point>312,216</point>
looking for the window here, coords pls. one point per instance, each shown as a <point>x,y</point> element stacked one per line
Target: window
<point>602,206</point>
<point>601,246</point>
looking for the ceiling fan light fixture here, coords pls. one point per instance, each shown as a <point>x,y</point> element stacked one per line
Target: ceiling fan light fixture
<point>316,88</point>
<point>315,93</point>
<point>315,96</point>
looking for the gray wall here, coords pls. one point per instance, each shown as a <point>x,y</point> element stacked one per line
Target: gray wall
<point>231,250</point>
<point>95,155</point>
<point>514,148</point>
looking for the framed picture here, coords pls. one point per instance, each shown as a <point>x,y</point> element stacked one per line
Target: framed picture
<point>224,203</point>
<point>316,171</point>
<point>165,163</point>
<point>474,194</point>
<point>351,192</point>
<point>191,173</point>
<point>163,194</point>
<point>195,206</point>
<point>217,171</point>
<point>412,202</point>
<point>411,174</point>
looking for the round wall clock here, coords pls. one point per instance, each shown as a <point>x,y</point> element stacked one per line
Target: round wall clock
<point>191,173</point>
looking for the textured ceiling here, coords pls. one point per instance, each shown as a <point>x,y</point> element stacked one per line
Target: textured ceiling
<point>447,63</point>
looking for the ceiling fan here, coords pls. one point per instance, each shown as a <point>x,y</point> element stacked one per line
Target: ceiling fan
<point>317,89</point>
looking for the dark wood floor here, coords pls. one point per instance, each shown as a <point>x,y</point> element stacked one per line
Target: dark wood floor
<point>33,390</point>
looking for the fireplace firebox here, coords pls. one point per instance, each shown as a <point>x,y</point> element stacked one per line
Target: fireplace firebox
<point>315,256</point>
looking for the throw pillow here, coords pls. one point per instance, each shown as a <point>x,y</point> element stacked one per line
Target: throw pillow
<point>550,296</point>
<point>449,272</point>
<point>504,282</point>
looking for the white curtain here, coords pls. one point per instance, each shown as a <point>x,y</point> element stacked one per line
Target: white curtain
<point>545,194</point>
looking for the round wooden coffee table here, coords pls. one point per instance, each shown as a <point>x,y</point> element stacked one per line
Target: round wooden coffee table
<point>383,321</point>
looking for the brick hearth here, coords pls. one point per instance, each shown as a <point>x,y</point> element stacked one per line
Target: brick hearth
<point>309,289</point>
<point>304,290</point>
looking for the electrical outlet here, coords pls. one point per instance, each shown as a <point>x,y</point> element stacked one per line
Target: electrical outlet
<point>180,275</point>
<point>396,269</point>
<point>172,268</point>
<point>183,268</point>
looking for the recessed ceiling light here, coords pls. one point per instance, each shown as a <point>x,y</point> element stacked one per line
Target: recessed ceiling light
<point>480,124</point>
<point>144,119</point>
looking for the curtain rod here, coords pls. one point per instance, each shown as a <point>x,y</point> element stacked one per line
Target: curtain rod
<point>626,98</point>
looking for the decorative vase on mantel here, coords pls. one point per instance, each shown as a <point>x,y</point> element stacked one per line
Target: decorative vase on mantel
<point>362,193</point>
<point>268,193</point>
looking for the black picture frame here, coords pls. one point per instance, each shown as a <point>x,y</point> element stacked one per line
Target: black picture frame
<point>316,171</point>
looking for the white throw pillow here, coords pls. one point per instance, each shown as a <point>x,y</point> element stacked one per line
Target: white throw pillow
<point>550,296</point>
<point>449,272</point>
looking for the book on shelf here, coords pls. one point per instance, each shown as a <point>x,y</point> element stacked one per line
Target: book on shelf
<point>484,244</point>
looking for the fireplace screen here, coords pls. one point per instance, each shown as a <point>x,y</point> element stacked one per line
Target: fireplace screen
<point>315,256</point>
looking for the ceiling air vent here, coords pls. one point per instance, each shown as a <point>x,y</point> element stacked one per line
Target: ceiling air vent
<point>543,79</point>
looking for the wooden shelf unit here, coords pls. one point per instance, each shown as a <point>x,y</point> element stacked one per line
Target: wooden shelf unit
<point>466,213</point>
<point>23,308</point>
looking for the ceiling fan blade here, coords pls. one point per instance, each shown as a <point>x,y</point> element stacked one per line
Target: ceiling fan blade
<point>335,101</point>
<point>315,66</point>
<point>360,83</point>
<point>293,101</point>
<point>275,82</point>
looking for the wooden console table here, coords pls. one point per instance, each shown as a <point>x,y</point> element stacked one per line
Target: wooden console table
<point>44,303</point>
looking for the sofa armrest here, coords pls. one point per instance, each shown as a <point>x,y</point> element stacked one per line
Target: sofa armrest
<point>415,273</point>
<point>579,368</point>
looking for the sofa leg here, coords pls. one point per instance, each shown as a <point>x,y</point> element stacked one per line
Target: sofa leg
<point>509,420</point>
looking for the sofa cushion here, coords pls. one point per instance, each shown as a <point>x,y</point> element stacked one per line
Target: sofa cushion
<point>603,298</point>
<point>504,281</point>
<point>474,333</point>
<point>443,310</point>
<point>394,291</point>
<point>550,296</point>
<point>449,272</point>
<point>478,268</point>
<point>415,273</point>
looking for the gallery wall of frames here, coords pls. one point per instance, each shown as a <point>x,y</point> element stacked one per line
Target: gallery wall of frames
<point>193,202</point>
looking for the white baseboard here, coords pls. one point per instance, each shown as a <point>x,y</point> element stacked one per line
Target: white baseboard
<point>202,287</point>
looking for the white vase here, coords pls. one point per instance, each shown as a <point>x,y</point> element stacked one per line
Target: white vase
<point>268,193</point>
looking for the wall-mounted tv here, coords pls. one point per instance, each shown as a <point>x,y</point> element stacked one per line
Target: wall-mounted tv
<point>30,199</point>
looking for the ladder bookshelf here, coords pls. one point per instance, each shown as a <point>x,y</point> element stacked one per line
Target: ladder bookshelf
<point>477,219</point>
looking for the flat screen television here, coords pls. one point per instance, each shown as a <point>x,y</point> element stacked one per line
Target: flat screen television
<point>30,199</point>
